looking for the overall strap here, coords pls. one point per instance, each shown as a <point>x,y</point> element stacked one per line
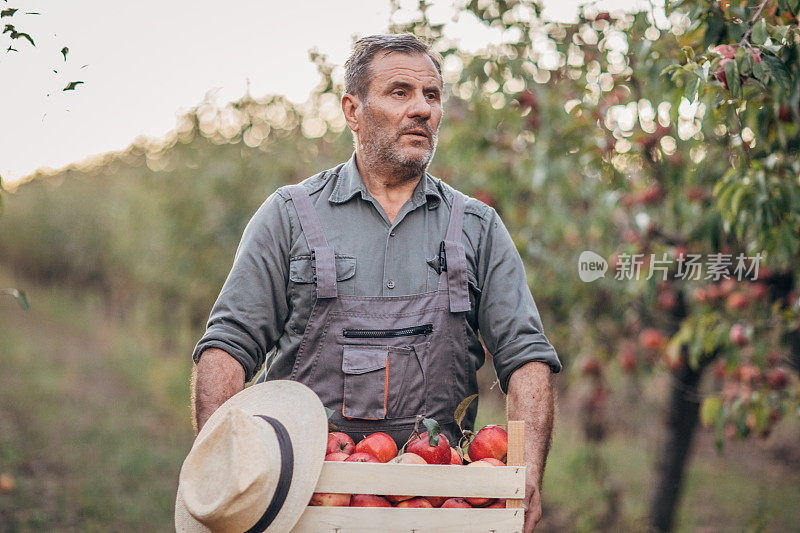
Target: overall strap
<point>324,261</point>
<point>456,258</point>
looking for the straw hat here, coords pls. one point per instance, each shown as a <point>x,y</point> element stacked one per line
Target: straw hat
<point>238,466</point>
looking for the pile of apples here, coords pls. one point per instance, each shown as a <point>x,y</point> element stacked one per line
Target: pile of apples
<point>488,448</point>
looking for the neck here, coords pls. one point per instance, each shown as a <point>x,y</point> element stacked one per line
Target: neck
<point>391,187</point>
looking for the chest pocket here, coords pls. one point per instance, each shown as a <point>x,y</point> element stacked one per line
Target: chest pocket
<point>303,290</point>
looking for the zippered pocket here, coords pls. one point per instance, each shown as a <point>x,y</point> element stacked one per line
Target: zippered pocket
<point>423,329</point>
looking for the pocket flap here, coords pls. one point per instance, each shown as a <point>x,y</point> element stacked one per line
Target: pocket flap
<point>301,268</point>
<point>361,359</point>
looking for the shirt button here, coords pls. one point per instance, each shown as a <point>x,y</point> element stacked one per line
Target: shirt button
<point>390,284</point>
<point>391,234</point>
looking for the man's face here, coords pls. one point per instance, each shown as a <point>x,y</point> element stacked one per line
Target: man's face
<point>398,123</point>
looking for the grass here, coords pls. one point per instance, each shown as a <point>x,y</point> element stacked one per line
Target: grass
<point>94,425</point>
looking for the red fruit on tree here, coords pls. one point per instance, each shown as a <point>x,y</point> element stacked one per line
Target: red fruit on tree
<point>456,503</point>
<point>759,290</point>
<point>590,367</point>
<point>360,457</point>
<point>736,301</point>
<point>652,339</point>
<point>379,445</point>
<point>726,51</point>
<point>652,194</point>
<point>738,335</point>
<point>435,455</point>
<point>369,500</point>
<point>340,442</point>
<point>490,442</point>
<point>666,300</point>
<point>627,360</point>
<point>337,456</point>
<point>777,378</point>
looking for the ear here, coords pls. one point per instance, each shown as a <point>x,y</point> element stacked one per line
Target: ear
<point>350,106</point>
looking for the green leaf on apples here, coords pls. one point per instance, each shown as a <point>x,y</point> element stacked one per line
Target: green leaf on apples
<point>732,76</point>
<point>433,431</point>
<point>461,410</point>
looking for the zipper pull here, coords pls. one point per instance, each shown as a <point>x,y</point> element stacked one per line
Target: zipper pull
<point>442,259</point>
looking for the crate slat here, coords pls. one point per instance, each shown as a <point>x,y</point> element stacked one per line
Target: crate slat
<point>371,519</point>
<point>422,480</point>
<point>516,454</point>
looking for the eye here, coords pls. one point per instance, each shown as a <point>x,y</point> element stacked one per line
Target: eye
<point>399,92</point>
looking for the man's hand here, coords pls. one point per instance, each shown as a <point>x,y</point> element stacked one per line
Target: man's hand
<point>530,398</point>
<point>215,378</point>
<point>532,504</point>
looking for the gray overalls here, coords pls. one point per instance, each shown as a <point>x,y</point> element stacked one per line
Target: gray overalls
<point>380,361</point>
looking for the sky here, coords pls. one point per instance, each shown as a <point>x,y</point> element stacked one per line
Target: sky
<point>143,63</point>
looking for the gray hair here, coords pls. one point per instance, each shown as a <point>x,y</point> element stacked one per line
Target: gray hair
<point>356,68</point>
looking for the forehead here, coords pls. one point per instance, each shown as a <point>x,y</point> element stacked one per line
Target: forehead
<point>388,67</point>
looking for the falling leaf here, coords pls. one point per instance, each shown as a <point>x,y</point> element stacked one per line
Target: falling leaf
<point>71,85</point>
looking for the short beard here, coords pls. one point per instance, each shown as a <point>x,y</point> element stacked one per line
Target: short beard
<point>380,151</point>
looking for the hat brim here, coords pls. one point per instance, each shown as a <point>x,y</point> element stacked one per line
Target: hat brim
<point>300,410</point>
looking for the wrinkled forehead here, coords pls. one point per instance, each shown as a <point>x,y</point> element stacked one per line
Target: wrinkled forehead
<point>391,67</point>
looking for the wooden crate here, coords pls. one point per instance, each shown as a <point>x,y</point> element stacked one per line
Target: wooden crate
<point>423,480</point>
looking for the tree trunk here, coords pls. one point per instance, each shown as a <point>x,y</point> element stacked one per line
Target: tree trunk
<point>682,416</point>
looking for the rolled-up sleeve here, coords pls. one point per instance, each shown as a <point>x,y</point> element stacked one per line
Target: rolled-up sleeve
<point>508,319</point>
<point>248,316</point>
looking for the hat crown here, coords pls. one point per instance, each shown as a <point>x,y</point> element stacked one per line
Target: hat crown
<point>231,475</point>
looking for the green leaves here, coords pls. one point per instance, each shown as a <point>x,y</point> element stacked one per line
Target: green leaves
<point>759,34</point>
<point>711,410</point>
<point>433,431</point>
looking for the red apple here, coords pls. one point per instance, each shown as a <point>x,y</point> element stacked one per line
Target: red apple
<point>736,301</point>
<point>738,335</point>
<point>340,442</point>
<point>627,359</point>
<point>725,50</point>
<point>409,459</point>
<point>590,366</point>
<point>436,501</point>
<point>666,300</point>
<point>330,499</point>
<point>417,502</point>
<point>455,459</point>
<point>491,441</point>
<point>777,378</point>
<point>483,502</point>
<point>434,455</point>
<point>456,503</point>
<point>369,500</point>
<point>652,339</point>
<point>499,504</point>
<point>379,445</point>
<point>337,456</point>
<point>361,458</point>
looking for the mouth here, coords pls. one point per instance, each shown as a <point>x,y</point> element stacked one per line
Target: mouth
<point>419,134</point>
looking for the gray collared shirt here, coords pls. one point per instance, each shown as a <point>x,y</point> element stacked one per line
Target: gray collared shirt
<point>264,305</point>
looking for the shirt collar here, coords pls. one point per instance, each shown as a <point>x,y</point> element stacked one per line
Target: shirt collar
<point>349,183</point>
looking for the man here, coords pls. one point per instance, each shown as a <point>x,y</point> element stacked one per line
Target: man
<point>369,282</point>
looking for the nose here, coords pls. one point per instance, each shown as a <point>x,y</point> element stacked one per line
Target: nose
<point>419,107</point>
